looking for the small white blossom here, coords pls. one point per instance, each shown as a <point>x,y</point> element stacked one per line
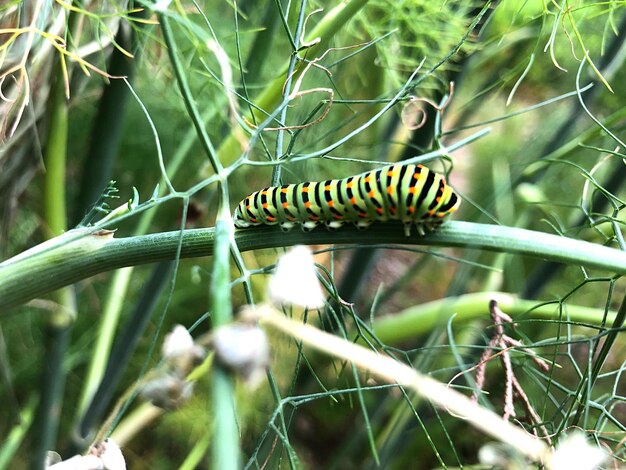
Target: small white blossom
<point>52,458</point>
<point>574,451</point>
<point>501,455</point>
<point>180,352</point>
<point>104,455</point>
<point>161,5</point>
<point>295,280</point>
<point>167,391</point>
<point>244,349</point>
<point>110,454</point>
<point>167,386</point>
<point>177,343</point>
<point>79,462</point>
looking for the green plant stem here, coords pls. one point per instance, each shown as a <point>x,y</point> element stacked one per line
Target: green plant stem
<point>15,437</point>
<point>194,458</point>
<point>286,92</point>
<point>108,123</point>
<point>52,386</point>
<point>586,384</point>
<point>54,158</point>
<point>332,23</point>
<point>127,340</point>
<point>186,93</point>
<point>80,254</point>
<point>120,281</point>
<point>220,285</point>
<point>262,44</point>
<point>225,451</point>
<point>114,302</point>
<point>63,312</point>
<point>225,433</point>
<point>392,371</point>
<point>416,321</point>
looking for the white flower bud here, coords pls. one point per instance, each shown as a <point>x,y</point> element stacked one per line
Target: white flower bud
<point>501,455</point>
<point>180,352</point>
<point>295,280</point>
<point>574,451</point>
<point>167,391</point>
<point>79,462</point>
<point>177,343</point>
<point>105,455</point>
<point>244,349</point>
<point>110,454</point>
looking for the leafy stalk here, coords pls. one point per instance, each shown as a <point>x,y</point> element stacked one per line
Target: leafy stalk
<point>82,253</point>
<point>59,322</point>
<point>332,23</point>
<point>225,431</point>
<point>421,319</point>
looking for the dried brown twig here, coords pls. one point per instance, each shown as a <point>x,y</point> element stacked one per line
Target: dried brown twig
<point>512,387</point>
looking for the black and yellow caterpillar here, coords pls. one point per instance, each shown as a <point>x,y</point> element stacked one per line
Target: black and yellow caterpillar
<point>409,193</point>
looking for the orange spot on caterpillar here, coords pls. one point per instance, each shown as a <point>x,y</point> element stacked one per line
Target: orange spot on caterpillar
<point>285,205</point>
<point>412,190</point>
<point>390,190</point>
<point>265,205</point>
<point>313,218</point>
<point>350,184</point>
<point>417,176</point>
<point>305,190</point>
<point>392,210</point>
<point>379,210</point>
<point>438,199</point>
<point>328,187</point>
<point>411,209</point>
<point>353,200</point>
<point>390,173</point>
<point>283,190</point>
<point>338,217</point>
<point>307,204</point>
<point>271,219</point>
<point>331,203</point>
<point>371,194</point>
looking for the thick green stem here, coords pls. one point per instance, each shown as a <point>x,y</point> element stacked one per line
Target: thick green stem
<point>419,320</point>
<point>63,313</point>
<point>225,433</point>
<point>80,254</point>
<point>225,449</point>
<point>54,157</point>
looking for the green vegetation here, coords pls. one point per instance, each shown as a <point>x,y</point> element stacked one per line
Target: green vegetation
<point>130,130</point>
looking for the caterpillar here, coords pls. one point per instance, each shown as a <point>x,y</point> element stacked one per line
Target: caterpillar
<point>411,194</point>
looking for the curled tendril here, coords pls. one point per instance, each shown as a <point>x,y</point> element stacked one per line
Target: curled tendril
<point>414,109</point>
